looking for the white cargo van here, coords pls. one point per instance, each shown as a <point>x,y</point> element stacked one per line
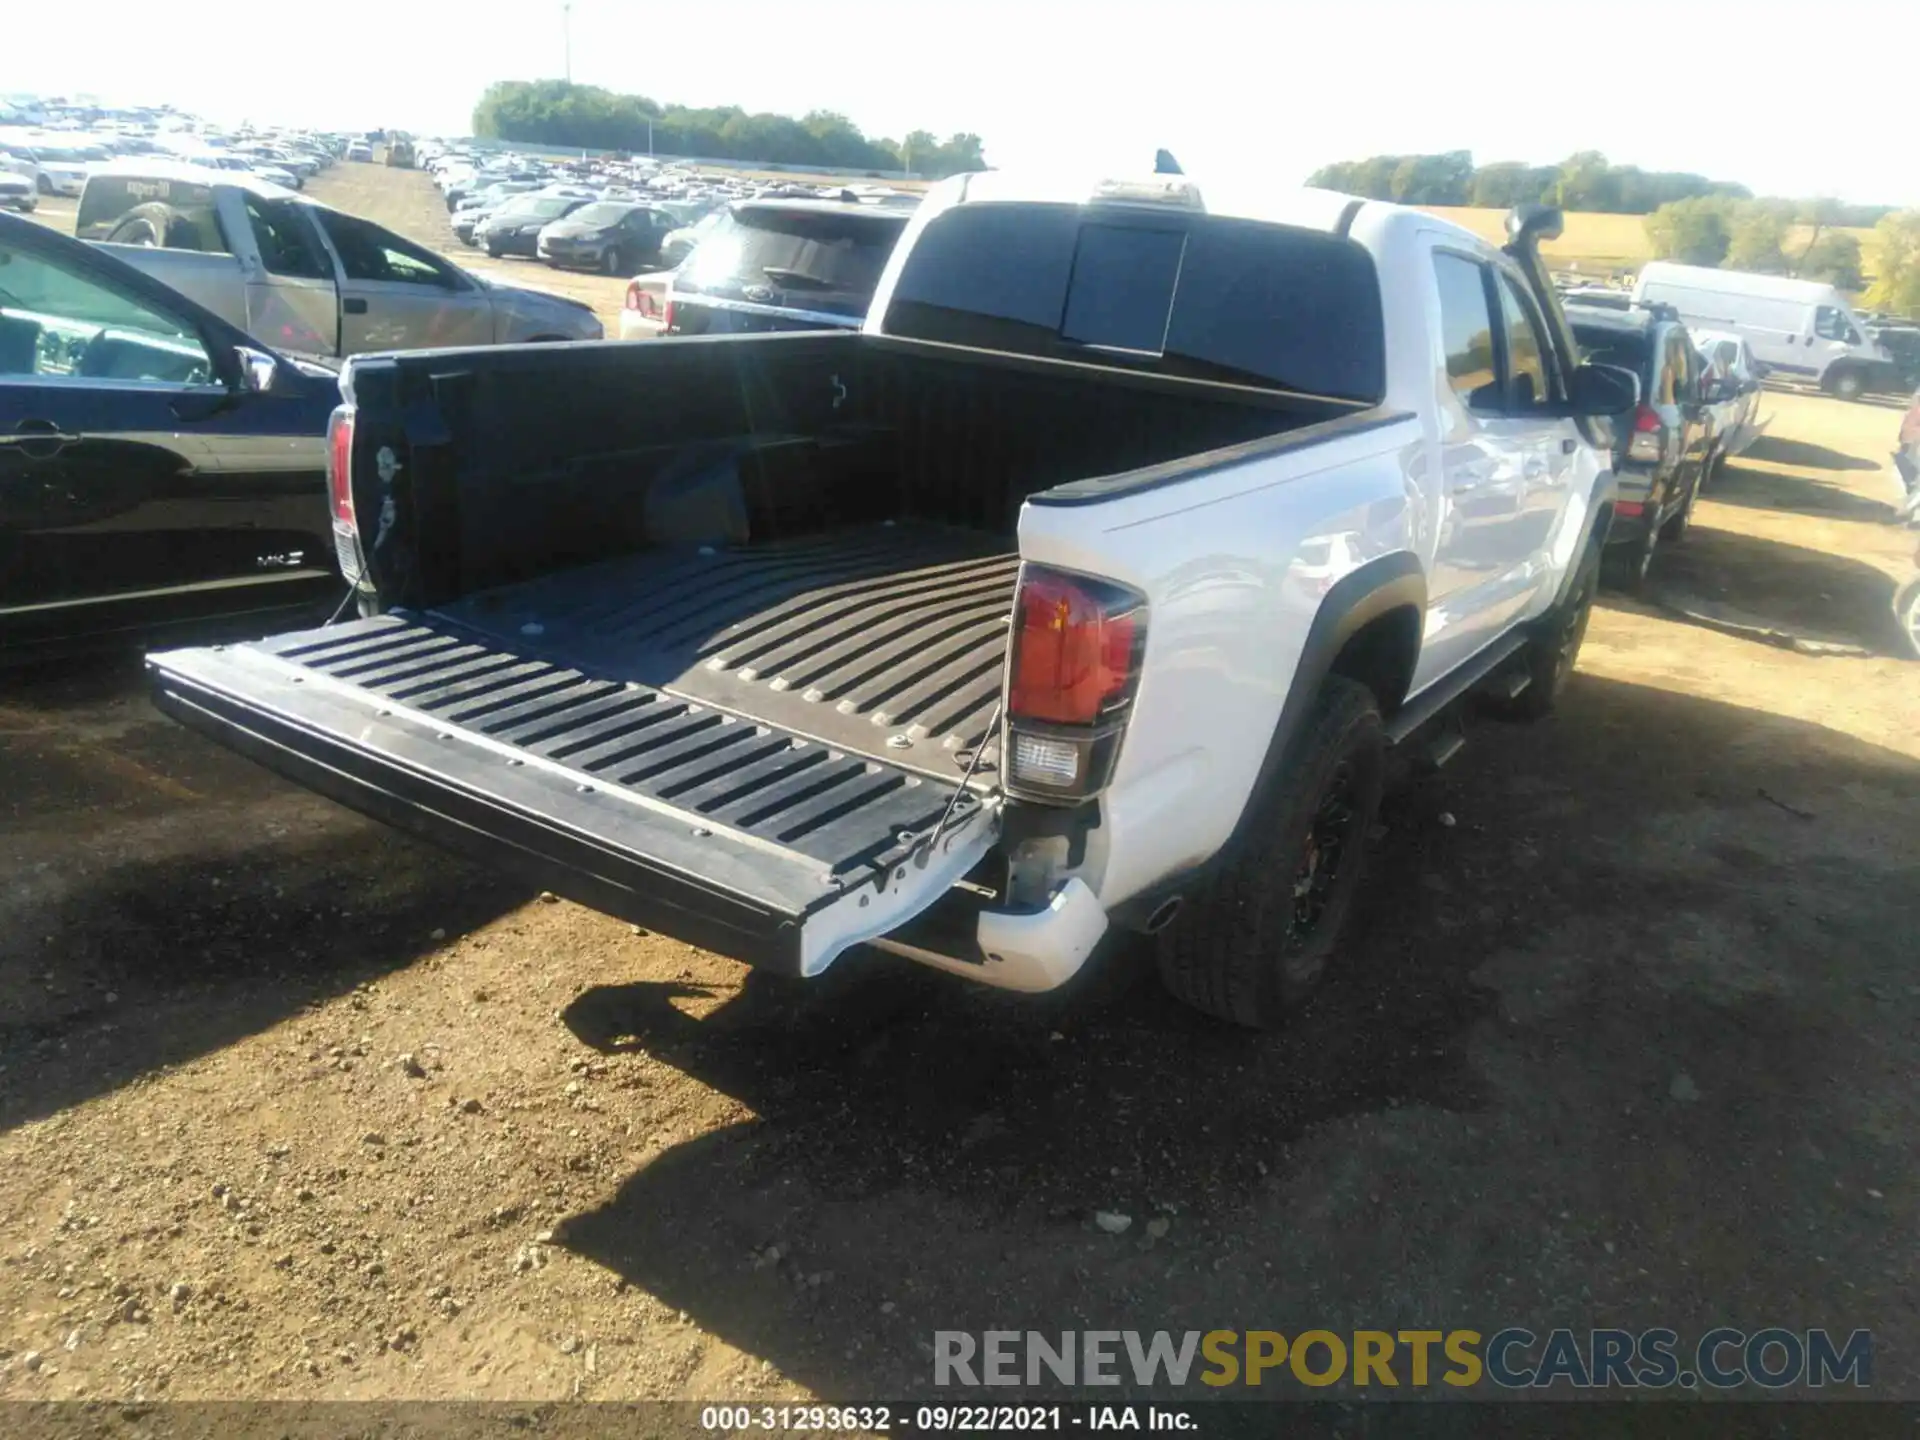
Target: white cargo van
<point>1799,327</point>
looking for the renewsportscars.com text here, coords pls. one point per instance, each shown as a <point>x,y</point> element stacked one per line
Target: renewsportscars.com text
<point>1513,1359</point>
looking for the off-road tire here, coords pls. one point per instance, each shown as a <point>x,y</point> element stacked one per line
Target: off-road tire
<point>1235,952</point>
<point>154,224</point>
<point>1554,650</point>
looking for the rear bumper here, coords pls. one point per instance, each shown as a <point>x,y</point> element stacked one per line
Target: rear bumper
<point>1031,951</point>
<point>590,255</point>
<point>1635,489</point>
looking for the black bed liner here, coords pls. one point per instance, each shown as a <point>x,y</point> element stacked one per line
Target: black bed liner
<point>888,640</point>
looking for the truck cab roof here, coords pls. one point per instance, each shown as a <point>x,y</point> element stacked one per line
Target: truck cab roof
<point>146,168</point>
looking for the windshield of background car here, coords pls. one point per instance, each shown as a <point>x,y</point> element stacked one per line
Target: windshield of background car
<point>605,213</point>
<point>826,260</point>
<point>178,214</point>
<point>535,207</point>
<point>1167,291</point>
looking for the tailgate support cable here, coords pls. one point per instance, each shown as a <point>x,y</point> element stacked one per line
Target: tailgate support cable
<point>973,763</point>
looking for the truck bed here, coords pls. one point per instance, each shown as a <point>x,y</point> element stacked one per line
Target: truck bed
<point>887,641</point>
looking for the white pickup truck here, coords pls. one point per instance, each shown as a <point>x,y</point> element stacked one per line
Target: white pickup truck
<point>1084,589</point>
<point>299,276</point>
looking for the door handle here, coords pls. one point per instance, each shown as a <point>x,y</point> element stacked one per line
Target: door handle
<point>354,306</point>
<point>39,439</point>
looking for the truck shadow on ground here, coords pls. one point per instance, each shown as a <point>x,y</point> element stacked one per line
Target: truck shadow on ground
<point>166,898</point>
<point>1789,596</point>
<point>1752,488</point>
<point>1804,455</point>
<point>913,1136</point>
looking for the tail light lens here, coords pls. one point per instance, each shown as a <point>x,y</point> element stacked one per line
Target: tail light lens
<point>1649,435</point>
<point>1072,648</point>
<point>346,528</point>
<point>666,315</point>
<point>1075,662</point>
<point>339,457</point>
<point>635,296</point>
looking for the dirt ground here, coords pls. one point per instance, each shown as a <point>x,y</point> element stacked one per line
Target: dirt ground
<point>293,1106</point>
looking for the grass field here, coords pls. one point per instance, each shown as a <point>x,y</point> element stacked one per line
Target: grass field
<point>1597,244</point>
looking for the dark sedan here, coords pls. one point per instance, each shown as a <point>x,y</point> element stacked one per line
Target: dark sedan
<point>615,237</point>
<point>514,229</point>
<point>160,470</point>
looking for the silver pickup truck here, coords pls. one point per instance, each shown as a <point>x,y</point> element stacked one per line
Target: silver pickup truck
<point>301,277</point>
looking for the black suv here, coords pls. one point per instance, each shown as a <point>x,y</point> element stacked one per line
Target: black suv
<point>1661,448</point>
<point>785,265</point>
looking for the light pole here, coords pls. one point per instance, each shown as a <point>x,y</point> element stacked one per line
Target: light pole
<point>566,32</point>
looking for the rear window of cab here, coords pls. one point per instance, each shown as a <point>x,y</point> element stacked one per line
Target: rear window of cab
<point>1168,291</point>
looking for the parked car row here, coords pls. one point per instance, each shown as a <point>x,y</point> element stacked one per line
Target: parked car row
<point>1699,397</point>
<point>58,162</point>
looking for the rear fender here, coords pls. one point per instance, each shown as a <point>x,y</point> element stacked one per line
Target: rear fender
<point>1365,594</point>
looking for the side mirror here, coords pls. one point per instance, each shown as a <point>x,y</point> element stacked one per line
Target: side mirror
<point>257,370</point>
<point>1602,390</point>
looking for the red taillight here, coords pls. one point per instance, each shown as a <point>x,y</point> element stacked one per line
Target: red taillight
<point>634,296</point>
<point>666,315</point>
<point>339,456</point>
<point>1646,418</point>
<point>1632,509</point>
<point>1074,648</point>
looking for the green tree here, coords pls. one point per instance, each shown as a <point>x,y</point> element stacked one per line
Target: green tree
<point>1757,238</point>
<point>553,112</point>
<point>1695,231</point>
<point>1834,258</point>
<point>1586,183</point>
<point>1893,250</point>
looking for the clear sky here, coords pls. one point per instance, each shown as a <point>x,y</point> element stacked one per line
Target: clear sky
<point>1790,99</point>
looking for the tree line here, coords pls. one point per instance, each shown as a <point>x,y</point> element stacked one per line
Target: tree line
<point>555,113</point>
<point>1689,217</point>
<point>1760,236</point>
<point>1584,181</point>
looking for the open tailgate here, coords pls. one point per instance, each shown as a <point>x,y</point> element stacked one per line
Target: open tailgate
<point>708,826</point>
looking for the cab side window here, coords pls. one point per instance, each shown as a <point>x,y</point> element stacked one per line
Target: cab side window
<point>1830,323</point>
<point>1527,385</point>
<point>61,323</point>
<point>1466,326</point>
<point>287,246</point>
<point>369,253</point>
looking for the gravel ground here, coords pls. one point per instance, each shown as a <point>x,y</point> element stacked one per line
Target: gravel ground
<point>293,1106</point>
